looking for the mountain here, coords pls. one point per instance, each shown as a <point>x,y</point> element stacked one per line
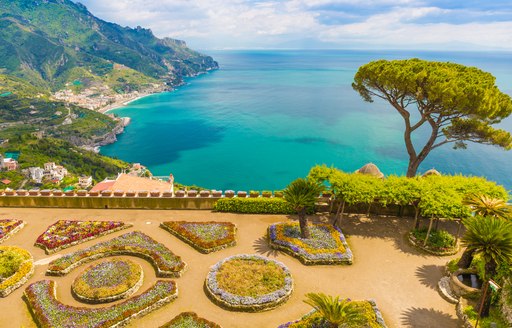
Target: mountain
<point>54,43</point>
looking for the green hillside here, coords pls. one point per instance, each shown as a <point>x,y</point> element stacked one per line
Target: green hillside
<point>54,42</point>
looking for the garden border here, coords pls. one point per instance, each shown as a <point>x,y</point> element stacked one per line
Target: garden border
<point>111,298</point>
<point>13,231</point>
<point>195,245</point>
<point>247,303</point>
<point>347,257</point>
<point>80,241</point>
<point>18,279</point>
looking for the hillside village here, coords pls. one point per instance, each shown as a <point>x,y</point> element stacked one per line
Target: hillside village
<point>55,176</point>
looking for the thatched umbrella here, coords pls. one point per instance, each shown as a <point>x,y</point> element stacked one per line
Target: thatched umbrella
<point>431,172</point>
<point>371,169</point>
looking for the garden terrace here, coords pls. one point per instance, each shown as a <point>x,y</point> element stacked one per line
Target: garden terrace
<point>134,243</point>
<point>190,320</point>
<point>16,267</point>
<point>8,227</point>
<point>66,233</point>
<point>206,237</point>
<point>327,244</point>
<point>50,313</point>
<point>249,283</point>
<point>108,281</point>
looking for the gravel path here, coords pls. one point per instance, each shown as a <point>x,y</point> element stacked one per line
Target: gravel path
<point>401,280</point>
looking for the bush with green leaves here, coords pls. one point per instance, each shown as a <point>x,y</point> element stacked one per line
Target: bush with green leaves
<point>10,261</point>
<point>254,205</point>
<point>438,239</point>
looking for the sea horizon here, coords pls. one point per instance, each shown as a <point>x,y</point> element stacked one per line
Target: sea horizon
<point>227,111</point>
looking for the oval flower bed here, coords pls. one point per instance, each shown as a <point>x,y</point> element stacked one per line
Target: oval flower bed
<point>206,237</point>
<point>249,283</point>
<point>16,267</point>
<point>190,320</point>
<point>50,313</point>
<point>66,233</point>
<point>327,244</point>
<point>108,281</point>
<point>8,227</point>
<point>134,243</point>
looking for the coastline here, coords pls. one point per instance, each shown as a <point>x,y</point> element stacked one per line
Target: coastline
<point>125,102</point>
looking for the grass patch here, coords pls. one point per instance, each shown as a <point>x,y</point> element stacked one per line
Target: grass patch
<point>250,277</point>
<point>249,283</point>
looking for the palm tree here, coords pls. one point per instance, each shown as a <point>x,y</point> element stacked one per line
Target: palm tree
<point>302,194</point>
<point>339,313</point>
<point>491,238</point>
<point>484,205</point>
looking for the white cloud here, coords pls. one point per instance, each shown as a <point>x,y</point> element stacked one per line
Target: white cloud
<point>288,23</point>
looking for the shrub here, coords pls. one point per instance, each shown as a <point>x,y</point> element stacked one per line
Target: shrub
<point>10,261</point>
<point>254,206</point>
<point>470,312</point>
<point>439,239</point>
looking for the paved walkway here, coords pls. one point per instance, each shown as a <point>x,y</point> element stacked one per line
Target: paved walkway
<point>400,279</point>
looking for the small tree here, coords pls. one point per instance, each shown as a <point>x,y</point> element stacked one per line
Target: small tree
<point>484,205</point>
<point>456,103</point>
<point>491,238</point>
<point>339,313</point>
<point>302,194</point>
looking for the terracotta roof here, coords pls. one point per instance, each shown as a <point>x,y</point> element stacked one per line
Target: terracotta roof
<point>126,182</point>
<point>6,181</point>
<point>104,185</point>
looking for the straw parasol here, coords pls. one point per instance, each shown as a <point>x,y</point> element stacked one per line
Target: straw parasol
<point>431,172</point>
<point>371,169</point>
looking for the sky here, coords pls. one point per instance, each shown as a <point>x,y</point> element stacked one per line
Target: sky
<point>316,24</point>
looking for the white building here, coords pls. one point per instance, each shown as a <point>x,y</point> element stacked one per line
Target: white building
<point>85,181</point>
<point>36,174</point>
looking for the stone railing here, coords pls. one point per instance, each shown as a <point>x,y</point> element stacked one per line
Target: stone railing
<point>181,199</point>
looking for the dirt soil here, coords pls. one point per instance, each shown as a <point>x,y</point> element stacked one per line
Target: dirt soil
<point>386,268</point>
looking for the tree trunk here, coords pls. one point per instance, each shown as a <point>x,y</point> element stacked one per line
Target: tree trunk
<point>416,218</point>
<point>428,231</point>
<point>413,167</point>
<point>368,211</point>
<point>466,258</point>
<point>303,223</point>
<point>490,272</point>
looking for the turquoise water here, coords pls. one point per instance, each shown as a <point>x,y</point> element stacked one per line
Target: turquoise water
<point>266,117</point>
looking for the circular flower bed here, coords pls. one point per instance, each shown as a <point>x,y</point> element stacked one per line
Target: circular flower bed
<point>108,281</point>
<point>249,283</point>
<point>16,267</point>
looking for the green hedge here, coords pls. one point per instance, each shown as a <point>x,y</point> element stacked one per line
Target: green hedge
<point>254,206</point>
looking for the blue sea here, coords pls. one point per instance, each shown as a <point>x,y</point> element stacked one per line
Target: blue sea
<point>266,117</point>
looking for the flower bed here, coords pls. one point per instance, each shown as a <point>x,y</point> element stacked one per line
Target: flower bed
<point>66,233</point>
<point>17,266</point>
<point>8,227</point>
<point>369,311</point>
<point>49,312</point>
<point>133,243</point>
<point>108,281</point>
<point>206,237</point>
<point>327,244</point>
<point>190,320</point>
<point>249,283</point>
<point>440,242</point>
